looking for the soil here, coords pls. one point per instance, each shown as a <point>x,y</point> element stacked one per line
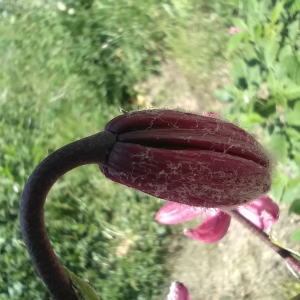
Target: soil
<point>173,88</point>
<point>240,266</point>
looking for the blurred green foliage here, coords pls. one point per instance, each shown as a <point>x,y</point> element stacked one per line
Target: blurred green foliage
<point>199,47</point>
<point>265,88</point>
<point>65,69</point>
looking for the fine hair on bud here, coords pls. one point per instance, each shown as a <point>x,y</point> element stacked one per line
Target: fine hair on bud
<point>194,159</point>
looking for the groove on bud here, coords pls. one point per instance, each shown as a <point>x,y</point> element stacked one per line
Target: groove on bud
<point>198,160</point>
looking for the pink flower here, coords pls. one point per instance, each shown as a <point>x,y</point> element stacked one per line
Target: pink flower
<point>198,160</point>
<point>234,30</point>
<point>178,292</point>
<point>212,229</point>
<point>262,212</point>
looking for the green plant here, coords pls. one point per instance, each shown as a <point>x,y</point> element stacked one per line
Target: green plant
<point>265,91</point>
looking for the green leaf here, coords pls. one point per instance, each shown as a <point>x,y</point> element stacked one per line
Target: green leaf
<point>275,242</point>
<point>293,29</point>
<point>279,146</point>
<point>239,23</point>
<point>266,109</point>
<point>251,23</point>
<point>295,7</point>
<point>295,254</point>
<point>235,41</point>
<point>258,32</point>
<point>249,7</point>
<point>276,12</point>
<point>285,52</point>
<point>281,100</point>
<point>255,118</point>
<point>249,52</point>
<point>279,26</point>
<point>278,185</point>
<point>272,83</point>
<point>168,9</point>
<point>296,156</point>
<point>292,91</point>
<point>235,93</point>
<point>292,117</point>
<point>254,74</point>
<point>295,207</point>
<point>238,70</point>
<point>270,52</point>
<point>251,119</point>
<point>292,133</point>
<point>223,96</point>
<point>280,73</point>
<point>292,64</point>
<point>291,191</point>
<point>296,146</point>
<point>276,89</point>
<point>296,235</point>
<point>85,290</point>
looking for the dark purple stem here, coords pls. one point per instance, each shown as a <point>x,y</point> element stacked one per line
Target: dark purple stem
<point>286,255</point>
<point>93,149</point>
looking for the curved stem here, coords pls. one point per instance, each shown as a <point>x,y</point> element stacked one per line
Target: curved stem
<point>286,255</point>
<point>93,149</point>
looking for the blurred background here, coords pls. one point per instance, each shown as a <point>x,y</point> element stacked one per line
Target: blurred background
<point>68,67</point>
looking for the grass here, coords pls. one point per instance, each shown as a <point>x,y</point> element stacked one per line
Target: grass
<point>200,46</point>
<point>58,83</point>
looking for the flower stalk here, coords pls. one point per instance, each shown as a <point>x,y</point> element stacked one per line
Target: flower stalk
<point>93,149</point>
<point>285,254</point>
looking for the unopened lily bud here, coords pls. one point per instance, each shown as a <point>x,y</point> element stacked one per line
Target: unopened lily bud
<point>198,160</point>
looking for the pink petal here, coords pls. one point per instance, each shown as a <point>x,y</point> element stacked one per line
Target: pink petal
<point>233,30</point>
<point>174,213</point>
<point>178,292</point>
<point>262,212</point>
<point>212,229</point>
<point>211,114</point>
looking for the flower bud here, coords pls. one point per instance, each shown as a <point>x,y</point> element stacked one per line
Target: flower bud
<point>197,160</point>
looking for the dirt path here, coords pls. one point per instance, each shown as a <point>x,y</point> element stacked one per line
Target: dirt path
<point>174,89</point>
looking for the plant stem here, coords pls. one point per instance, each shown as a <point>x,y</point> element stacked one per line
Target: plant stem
<point>286,255</point>
<point>93,149</point>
